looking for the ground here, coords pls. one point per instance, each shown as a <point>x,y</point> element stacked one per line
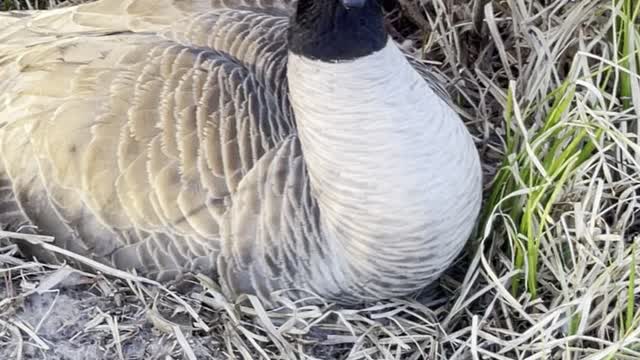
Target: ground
<point>550,90</point>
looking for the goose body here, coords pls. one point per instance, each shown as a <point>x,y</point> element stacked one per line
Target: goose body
<point>234,138</point>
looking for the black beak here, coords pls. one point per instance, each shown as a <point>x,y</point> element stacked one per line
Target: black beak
<point>353,3</point>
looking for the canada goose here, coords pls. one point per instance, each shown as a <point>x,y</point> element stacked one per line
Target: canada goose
<point>217,136</point>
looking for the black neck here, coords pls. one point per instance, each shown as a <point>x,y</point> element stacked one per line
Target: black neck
<point>327,30</point>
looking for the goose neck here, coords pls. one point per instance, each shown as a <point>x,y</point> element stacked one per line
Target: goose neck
<point>385,157</point>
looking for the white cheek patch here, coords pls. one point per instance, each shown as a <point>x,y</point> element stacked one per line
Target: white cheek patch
<point>353,3</point>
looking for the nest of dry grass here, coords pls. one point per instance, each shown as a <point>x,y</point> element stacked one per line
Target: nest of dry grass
<point>551,91</point>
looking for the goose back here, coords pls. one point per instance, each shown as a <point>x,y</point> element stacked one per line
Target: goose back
<point>125,135</point>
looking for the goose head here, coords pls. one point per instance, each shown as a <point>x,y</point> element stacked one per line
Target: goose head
<point>337,30</point>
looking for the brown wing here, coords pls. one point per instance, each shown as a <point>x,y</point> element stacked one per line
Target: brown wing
<point>128,147</point>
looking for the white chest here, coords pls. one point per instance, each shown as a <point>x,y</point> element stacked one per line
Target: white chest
<point>392,166</point>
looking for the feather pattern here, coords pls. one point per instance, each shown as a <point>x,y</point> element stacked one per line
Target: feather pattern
<point>161,137</point>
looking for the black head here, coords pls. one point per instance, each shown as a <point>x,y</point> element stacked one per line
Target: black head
<point>334,30</point>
